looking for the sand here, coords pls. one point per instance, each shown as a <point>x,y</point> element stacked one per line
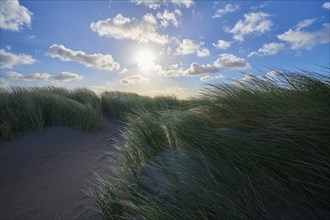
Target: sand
<point>43,176</point>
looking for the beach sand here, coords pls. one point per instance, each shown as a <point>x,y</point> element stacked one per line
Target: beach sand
<point>44,175</point>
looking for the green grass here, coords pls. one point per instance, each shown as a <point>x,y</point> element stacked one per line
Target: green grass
<point>118,104</point>
<point>277,167</point>
<point>247,150</point>
<point>26,109</point>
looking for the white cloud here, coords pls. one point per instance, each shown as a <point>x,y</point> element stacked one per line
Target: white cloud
<point>174,71</point>
<point>125,70</point>
<point>247,78</point>
<point>96,61</point>
<point>272,74</point>
<point>64,76</point>
<point>31,36</point>
<point>134,79</point>
<point>262,5</point>
<point>120,27</point>
<point>37,76</point>
<point>109,83</point>
<point>155,4</point>
<point>227,9</point>
<point>34,76</point>
<point>197,69</point>
<point>230,61</point>
<point>250,78</point>
<point>182,3</point>
<point>9,60</point>
<point>8,47</point>
<point>193,70</point>
<point>206,78</point>
<point>188,46</point>
<point>67,76</point>
<point>152,4</point>
<point>14,16</point>
<point>304,23</point>
<point>13,75</point>
<point>222,44</point>
<point>326,5</point>
<point>300,39</point>
<point>254,23</point>
<point>3,83</point>
<point>169,17</point>
<point>268,49</point>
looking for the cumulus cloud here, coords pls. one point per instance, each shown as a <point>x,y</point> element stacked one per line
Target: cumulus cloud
<point>193,70</point>
<point>301,39</point>
<point>134,79</point>
<point>14,16</point>
<point>67,76</point>
<point>304,23</point>
<point>9,60</point>
<point>37,76</point>
<point>96,61</point>
<point>253,24</point>
<point>182,3</point>
<point>206,78</point>
<point>222,44</point>
<point>197,69</point>
<point>121,27</point>
<point>272,74</point>
<point>63,77</point>
<point>230,61</point>
<point>13,75</point>
<point>166,18</point>
<point>326,5</point>
<point>248,77</point>
<point>188,46</point>
<point>268,49</point>
<point>227,9</point>
<point>155,4</point>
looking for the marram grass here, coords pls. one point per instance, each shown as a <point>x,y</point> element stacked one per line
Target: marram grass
<point>118,104</point>
<point>25,109</point>
<point>250,150</point>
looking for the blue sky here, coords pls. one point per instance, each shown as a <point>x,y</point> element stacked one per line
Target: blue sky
<point>159,46</point>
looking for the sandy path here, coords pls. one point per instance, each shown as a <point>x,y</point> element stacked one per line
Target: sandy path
<point>43,175</point>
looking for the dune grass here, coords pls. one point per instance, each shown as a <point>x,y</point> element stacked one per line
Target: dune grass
<point>256,149</point>
<point>118,104</point>
<point>249,150</point>
<point>25,109</point>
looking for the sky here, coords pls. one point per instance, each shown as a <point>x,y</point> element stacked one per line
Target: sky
<point>158,47</point>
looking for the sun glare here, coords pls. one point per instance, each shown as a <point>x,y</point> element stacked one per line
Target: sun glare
<point>145,59</point>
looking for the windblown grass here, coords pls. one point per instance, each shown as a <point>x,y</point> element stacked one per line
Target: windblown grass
<point>117,104</point>
<point>251,150</point>
<point>25,109</point>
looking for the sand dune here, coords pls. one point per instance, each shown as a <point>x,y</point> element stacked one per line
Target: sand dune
<point>43,175</point>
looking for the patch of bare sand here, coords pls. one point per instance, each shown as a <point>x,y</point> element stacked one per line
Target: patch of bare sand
<point>43,176</point>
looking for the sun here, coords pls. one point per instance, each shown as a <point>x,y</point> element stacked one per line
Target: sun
<point>145,59</point>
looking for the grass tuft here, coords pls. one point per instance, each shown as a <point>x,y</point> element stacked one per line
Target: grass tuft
<point>249,150</point>
<point>26,109</point>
